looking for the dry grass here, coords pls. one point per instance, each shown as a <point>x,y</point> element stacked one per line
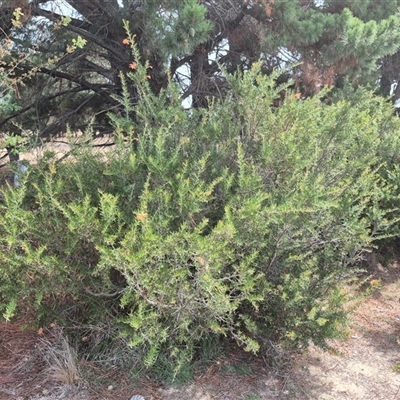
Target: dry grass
<point>62,361</point>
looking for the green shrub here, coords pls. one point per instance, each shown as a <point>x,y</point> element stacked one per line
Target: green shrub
<point>239,221</point>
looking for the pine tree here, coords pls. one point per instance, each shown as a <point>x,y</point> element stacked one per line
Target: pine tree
<point>76,57</point>
<point>333,41</point>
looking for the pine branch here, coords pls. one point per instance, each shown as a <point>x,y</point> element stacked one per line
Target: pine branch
<point>34,104</point>
<point>53,16</point>
<point>92,9</point>
<point>118,292</point>
<point>116,51</point>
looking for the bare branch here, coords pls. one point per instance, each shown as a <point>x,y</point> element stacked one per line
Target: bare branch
<point>53,16</point>
<point>117,51</point>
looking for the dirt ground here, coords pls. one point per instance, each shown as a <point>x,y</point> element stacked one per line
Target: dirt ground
<point>365,366</point>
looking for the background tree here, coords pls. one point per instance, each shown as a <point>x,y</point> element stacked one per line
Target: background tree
<point>188,42</point>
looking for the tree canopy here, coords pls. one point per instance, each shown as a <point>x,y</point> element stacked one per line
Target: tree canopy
<point>73,52</point>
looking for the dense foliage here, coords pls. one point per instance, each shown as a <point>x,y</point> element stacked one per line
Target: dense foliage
<point>241,220</point>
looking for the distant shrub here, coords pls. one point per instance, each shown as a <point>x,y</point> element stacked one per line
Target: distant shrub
<point>240,221</point>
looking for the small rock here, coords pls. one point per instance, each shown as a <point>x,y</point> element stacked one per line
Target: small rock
<point>111,387</point>
<point>137,397</point>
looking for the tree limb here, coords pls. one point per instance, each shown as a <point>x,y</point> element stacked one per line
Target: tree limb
<point>116,52</point>
<point>118,292</point>
<point>53,16</point>
<point>28,107</point>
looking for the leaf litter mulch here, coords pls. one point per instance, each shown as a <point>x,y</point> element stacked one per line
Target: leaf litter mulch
<point>366,366</point>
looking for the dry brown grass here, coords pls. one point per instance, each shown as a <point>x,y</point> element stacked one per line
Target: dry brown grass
<point>62,361</point>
